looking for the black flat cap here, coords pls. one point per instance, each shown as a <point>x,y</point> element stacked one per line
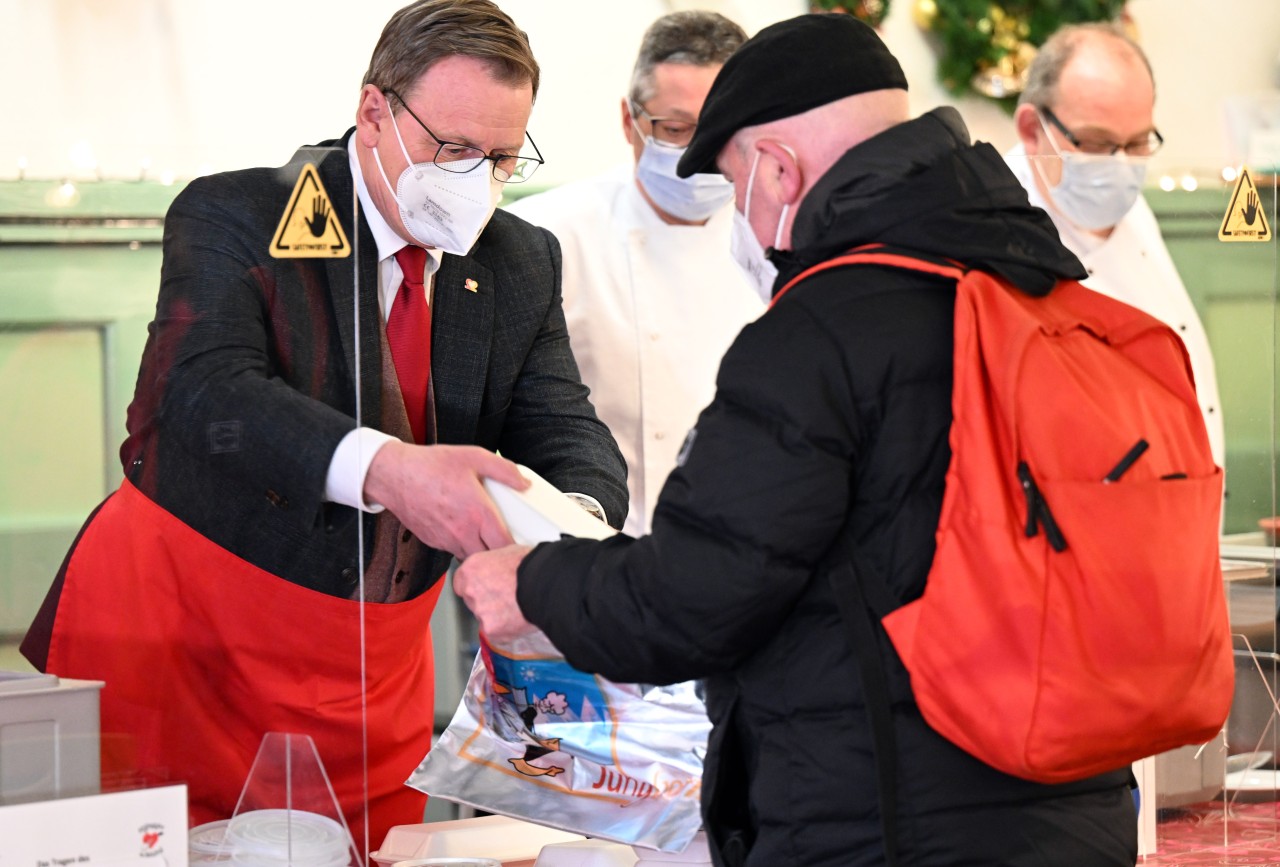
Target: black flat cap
<point>787,69</point>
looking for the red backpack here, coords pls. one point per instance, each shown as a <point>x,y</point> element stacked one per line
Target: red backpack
<point>1074,618</point>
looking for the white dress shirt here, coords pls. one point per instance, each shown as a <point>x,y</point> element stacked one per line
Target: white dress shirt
<point>344,482</point>
<point>651,308</point>
<point>1133,265</point>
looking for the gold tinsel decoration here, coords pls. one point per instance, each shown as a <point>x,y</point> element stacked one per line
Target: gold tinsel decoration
<point>923,12</point>
<point>987,46</point>
<point>872,12</point>
<point>1008,75</point>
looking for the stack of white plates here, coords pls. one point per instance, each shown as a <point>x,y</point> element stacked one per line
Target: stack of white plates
<point>272,838</point>
<point>205,843</point>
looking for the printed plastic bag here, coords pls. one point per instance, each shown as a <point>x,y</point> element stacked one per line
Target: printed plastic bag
<point>536,739</point>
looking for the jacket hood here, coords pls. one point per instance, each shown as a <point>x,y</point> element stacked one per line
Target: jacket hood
<point>922,186</point>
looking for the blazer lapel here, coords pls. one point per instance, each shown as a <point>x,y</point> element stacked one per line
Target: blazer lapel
<point>359,270</point>
<point>461,332</point>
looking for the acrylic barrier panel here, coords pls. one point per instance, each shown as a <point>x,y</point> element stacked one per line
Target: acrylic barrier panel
<point>1196,251</point>
<point>181,362</point>
<point>254,372</point>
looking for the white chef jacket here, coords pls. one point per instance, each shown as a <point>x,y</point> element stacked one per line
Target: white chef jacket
<point>1133,265</point>
<point>651,309</point>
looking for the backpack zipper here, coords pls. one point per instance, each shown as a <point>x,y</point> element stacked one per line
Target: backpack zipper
<point>1038,513</point>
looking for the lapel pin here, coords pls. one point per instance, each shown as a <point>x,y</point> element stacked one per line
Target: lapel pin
<point>471,285</point>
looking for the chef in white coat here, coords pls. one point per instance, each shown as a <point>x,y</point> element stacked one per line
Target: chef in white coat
<point>652,297</point>
<point>1086,127</point>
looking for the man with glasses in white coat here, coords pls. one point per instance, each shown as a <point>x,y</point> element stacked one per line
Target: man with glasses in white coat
<point>1086,127</point>
<point>651,295</point>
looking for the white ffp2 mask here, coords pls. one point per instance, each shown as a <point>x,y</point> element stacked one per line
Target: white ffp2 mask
<point>745,248</point>
<point>443,209</point>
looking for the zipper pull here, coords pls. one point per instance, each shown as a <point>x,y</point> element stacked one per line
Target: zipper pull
<point>1032,493</point>
<point>1038,511</point>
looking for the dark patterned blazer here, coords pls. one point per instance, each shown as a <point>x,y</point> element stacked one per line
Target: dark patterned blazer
<point>249,376</point>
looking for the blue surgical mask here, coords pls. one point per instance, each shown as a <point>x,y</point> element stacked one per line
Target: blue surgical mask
<point>694,198</point>
<point>1096,191</point>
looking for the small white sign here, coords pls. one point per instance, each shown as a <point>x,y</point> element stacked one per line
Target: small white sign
<point>142,828</point>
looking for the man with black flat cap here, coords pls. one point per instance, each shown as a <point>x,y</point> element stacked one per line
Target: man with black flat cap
<point>829,429</point>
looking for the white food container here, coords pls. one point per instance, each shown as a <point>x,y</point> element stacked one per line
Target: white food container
<point>496,837</point>
<point>49,745</point>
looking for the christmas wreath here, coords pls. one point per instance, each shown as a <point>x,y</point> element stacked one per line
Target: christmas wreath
<point>985,46</point>
<point>871,11</point>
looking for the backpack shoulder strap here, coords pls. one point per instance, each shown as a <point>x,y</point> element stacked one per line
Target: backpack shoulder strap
<point>850,590</point>
<point>879,254</point>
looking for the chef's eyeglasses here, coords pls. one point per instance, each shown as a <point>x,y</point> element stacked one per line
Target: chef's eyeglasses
<point>669,131</point>
<point>460,158</point>
<point>1140,148</point>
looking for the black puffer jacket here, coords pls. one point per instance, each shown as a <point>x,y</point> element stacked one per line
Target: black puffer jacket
<point>836,401</point>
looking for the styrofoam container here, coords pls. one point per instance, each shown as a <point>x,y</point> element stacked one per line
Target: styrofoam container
<point>49,745</point>
<point>697,852</point>
<point>586,853</point>
<point>495,837</point>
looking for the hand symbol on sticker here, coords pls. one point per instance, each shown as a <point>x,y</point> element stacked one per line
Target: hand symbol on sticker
<point>1250,210</point>
<point>319,219</point>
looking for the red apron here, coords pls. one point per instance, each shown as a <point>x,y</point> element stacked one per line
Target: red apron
<point>204,653</point>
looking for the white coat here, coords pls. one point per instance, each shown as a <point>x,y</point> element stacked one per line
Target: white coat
<point>651,308</point>
<point>1133,265</point>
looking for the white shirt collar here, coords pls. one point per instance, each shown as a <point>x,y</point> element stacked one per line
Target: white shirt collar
<point>388,241</point>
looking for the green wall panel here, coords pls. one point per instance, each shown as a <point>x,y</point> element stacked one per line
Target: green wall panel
<point>78,280</point>
<point>1233,285</point>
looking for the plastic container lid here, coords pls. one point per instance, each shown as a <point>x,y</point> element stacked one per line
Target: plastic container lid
<point>448,862</point>
<point>295,837</point>
<point>208,839</point>
<point>242,859</point>
<point>23,681</point>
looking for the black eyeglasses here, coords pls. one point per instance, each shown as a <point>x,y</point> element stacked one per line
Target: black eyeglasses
<point>460,158</point>
<point>1141,148</point>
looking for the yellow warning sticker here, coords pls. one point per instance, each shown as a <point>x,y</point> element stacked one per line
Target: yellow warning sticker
<point>309,228</point>
<point>1246,219</point>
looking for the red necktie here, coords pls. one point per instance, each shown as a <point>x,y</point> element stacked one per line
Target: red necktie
<point>409,334</point>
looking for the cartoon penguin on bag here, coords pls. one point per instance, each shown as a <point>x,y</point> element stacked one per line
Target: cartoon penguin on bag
<point>513,704</point>
<point>513,717</point>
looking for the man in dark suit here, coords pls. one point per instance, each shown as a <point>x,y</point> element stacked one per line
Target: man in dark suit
<point>295,453</point>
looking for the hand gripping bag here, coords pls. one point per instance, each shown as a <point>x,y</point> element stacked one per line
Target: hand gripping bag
<point>534,738</point>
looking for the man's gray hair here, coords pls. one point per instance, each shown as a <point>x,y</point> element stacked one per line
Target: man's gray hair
<point>1057,51</point>
<point>691,37</point>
